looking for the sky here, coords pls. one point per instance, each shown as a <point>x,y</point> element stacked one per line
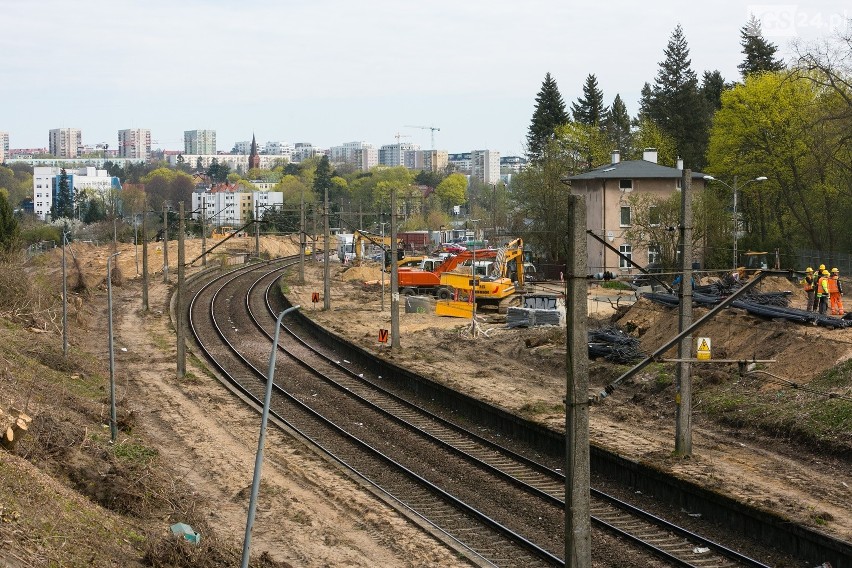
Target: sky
<point>335,71</point>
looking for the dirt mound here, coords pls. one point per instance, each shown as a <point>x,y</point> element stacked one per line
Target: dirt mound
<point>362,274</point>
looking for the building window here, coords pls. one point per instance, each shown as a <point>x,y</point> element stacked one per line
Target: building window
<point>627,251</point>
<point>653,216</point>
<point>625,216</point>
<point>677,184</point>
<point>653,253</point>
<point>625,184</point>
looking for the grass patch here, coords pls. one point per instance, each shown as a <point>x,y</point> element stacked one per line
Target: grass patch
<point>812,417</point>
<point>615,285</point>
<point>532,409</point>
<point>132,452</point>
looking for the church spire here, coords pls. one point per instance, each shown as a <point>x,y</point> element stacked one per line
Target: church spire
<point>254,158</point>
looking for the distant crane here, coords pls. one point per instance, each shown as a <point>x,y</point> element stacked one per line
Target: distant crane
<point>432,128</point>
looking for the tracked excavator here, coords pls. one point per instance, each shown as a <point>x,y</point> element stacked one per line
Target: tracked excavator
<point>495,280</point>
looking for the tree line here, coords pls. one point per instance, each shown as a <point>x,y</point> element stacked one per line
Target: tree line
<point>787,122</point>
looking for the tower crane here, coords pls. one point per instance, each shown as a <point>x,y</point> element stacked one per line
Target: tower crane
<point>432,128</point>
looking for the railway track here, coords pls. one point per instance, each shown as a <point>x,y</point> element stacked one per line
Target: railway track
<point>503,508</point>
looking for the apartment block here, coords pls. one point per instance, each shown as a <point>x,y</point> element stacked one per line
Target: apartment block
<point>199,142</point>
<point>4,146</point>
<point>485,166</point>
<point>134,143</point>
<point>64,142</point>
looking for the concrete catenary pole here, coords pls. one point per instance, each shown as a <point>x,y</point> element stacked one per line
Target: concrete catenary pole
<point>578,545</point>
<point>394,279</point>
<point>64,297</point>
<point>302,236</point>
<point>203,229</point>
<point>181,298</point>
<point>144,261</point>
<point>326,269</point>
<point>165,243</point>
<point>113,420</point>
<point>683,393</point>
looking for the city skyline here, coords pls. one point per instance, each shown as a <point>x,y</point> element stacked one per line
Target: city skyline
<point>333,72</point>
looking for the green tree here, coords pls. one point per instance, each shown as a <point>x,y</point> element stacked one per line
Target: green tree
<point>540,201</point>
<point>585,146</point>
<point>9,231</point>
<point>677,106</point>
<point>322,178</point>
<point>773,125</point>
<point>17,180</point>
<point>589,109</point>
<point>759,53</point>
<point>648,135</point>
<point>452,191</point>
<point>712,86</point>
<point>617,127</point>
<point>549,113</point>
<point>64,205</point>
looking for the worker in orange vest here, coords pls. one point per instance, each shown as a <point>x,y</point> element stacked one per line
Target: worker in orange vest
<point>822,292</point>
<point>835,293</point>
<point>808,285</point>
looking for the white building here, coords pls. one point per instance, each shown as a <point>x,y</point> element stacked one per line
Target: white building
<point>361,154</point>
<point>4,146</point>
<point>134,143</point>
<point>226,206</point>
<point>92,181</point>
<point>278,148</point>
<point>303,151</point>
<point>199,142</point>
<point>485,166</point>
<point>394,154</point>
<point>244,147</point>
<point>64,142</point>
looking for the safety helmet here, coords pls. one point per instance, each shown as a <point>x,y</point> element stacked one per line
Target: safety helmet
<point>822,267</point>
<point>825,272</point>
<point>834,270</point>
<point>809,269</point>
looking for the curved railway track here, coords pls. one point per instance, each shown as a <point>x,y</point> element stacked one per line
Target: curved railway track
<point>502,507</point>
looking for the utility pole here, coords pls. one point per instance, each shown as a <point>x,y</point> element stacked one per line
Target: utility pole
<point>257,229</point>
<point>326,275</point>
<point>578,545</point>
<point>113,420</point>
<point>165,243</point>
<point>64,296</point>
<point>203,229</point>
<point>145,260</point>
<point>302,237</point>
<point>314,237</point>
<point>683,393</point>
<point>394,279</point>
<point>181,299</point>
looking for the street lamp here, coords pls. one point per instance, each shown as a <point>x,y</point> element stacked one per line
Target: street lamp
<point>735,189</point>
<point>258,461</point>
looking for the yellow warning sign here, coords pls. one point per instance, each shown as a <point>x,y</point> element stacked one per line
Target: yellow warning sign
<point>703,348</point>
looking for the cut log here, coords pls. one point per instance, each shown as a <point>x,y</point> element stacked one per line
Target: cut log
<point>20,425</point>
<point>8,439</point>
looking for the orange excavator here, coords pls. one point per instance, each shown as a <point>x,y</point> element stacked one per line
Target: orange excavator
<point>496,277</point>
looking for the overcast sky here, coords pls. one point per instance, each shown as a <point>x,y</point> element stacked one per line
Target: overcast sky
<point>335,71</point>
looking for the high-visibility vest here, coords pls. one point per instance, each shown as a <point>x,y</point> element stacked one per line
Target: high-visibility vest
<point>822,286</point>
<point>808,283</point>
<point>832,286</point>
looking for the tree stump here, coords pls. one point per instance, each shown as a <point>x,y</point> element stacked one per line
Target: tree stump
<point>15,424</point>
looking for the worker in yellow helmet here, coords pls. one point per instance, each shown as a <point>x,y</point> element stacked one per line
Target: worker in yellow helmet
<point>835,293</point>
<point>816,281</point>
<point>822,291</point>
<point>809,285</point>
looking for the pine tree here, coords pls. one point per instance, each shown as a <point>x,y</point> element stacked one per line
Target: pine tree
<point>759,53</point>
<point>677,105</point>
<point>617,126</point>
<point>645,96</point>
<point>64,205</point>
<point>322,178</point>
<point>712,86</point>
<point>549,113</point>
<point>9,230</point>
<point>589,109</point>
